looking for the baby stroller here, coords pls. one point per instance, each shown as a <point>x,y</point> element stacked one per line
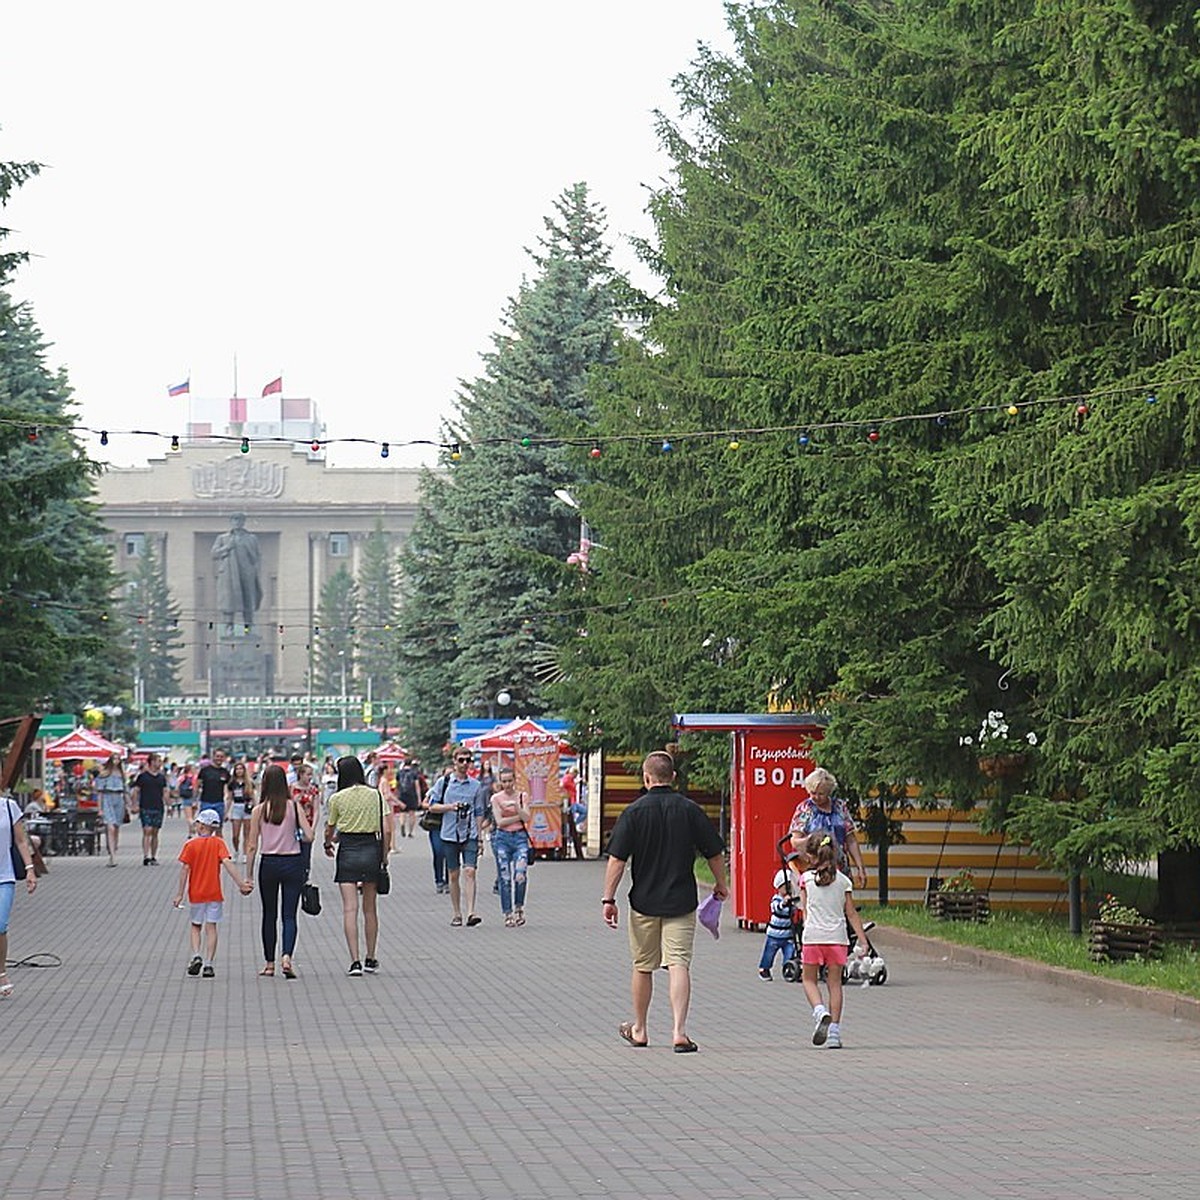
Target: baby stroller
<point>865,967</point>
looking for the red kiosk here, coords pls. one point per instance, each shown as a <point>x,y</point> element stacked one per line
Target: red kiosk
<point>772,753</point>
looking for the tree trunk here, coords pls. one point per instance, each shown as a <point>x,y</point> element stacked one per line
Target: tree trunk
<point>1074,903</point>
<point>882,855</point>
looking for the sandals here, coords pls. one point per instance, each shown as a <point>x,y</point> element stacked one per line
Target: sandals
<point>289,972</point>
<point>474,919</point>
<point>519,917</point>
<point>626,1032</point>
<point>509,921</point>
<point>6,988</point>
<point>268,970</point>
<point>457,921</point>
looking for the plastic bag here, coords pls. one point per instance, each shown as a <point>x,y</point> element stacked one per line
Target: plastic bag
<point>709,914</point>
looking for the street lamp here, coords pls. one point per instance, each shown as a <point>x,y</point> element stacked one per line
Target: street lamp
<point>342,660</point>
<point>577,558</point>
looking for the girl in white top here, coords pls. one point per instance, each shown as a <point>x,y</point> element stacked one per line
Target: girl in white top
<point>825,896</point>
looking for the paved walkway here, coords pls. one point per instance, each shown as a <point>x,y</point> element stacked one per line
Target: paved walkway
<point>484,1063</point>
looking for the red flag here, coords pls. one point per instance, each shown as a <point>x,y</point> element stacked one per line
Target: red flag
<point>274,387</point>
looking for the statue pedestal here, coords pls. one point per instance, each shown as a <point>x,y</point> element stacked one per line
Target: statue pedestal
<point>240,667</point>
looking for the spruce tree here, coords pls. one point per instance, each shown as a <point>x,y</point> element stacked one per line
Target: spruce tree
<point>335,641</point>
<point>377,583</point>
<point>153,620</point>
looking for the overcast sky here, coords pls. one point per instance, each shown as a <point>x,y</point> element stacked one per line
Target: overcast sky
<point>341,194</point>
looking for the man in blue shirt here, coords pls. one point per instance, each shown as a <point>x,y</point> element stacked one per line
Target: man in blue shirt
<point>462,801</point>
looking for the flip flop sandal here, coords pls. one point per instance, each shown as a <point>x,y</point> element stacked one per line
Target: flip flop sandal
<point>268,970</point>
<point>688,1047</point>
<point>519,917</point>
<point>289,972</point>
<point>456,921</point>
<point>626,1032</point>
<point>473,919</point>
<point>509,921</point>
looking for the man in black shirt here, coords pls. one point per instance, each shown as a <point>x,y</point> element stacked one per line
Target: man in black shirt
<point>213,778</point>
<point>147,794</point>
<point>662,832</point>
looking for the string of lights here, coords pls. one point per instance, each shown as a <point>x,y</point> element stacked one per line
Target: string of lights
<point>1079,404</point>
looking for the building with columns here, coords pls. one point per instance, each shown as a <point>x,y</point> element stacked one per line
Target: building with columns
<point>306,520</point>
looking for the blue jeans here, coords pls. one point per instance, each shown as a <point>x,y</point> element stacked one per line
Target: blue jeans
<point>511,848</point>
<point>280,873</point>
<point>774,946</point>
<point>439,857</point>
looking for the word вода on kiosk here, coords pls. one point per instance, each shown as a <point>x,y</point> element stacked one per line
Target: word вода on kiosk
<point>771,755</point>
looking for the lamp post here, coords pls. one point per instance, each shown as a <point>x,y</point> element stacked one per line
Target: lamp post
<point>577,558</point>
<point>342,660</point>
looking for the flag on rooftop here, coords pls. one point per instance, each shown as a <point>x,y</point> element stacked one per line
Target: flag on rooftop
<point>181,389</point>
<point>274,387</point>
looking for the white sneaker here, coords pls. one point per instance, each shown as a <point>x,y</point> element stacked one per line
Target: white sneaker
<point>821,1020</point>
<point>834,1040</point>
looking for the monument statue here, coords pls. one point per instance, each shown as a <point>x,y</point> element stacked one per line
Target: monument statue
<point>239,589</point>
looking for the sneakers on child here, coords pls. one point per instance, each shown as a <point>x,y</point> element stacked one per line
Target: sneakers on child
<point>370,965</point>
<point>356,968</point>
<point>195,965</point>
<point>764,974</point>
<point>834,1040</point>
<point>208,973</point>
<point>821,1023</point>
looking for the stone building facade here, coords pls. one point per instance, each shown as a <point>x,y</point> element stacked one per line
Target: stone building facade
<point>307,519</point>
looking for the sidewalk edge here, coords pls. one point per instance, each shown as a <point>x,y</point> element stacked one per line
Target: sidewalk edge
<point>1079,983</point>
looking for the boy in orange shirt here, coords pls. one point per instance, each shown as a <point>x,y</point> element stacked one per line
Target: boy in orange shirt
<point>200,876</point>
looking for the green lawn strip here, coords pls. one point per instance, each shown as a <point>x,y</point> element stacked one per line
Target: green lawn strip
<point>1045,939</point>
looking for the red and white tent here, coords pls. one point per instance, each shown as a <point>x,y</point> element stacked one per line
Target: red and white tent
<point>81,743</point>
<point>507,736</point>
<point>391,752</point>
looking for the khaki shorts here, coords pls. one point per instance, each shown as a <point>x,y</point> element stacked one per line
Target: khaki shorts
<point>661,941</point>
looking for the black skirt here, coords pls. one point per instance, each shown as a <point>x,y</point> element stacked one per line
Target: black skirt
<point>357,858</point>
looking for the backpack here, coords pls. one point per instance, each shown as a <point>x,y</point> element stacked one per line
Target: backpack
<point>406,784</point>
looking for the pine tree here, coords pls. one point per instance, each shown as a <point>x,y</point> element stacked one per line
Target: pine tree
<point>501,535</point>
<point>153,619</point>
<point>335,662</point>
<point>61,639</point>
<point>377,584</point>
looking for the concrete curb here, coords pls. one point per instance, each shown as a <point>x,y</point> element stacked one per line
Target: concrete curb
<point>1079,983</point>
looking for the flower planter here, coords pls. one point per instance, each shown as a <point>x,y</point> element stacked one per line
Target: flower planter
<point>1002,766</point>
<point>1110,942</point>
<point>960,906</point>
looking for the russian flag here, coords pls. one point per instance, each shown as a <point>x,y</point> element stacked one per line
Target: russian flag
<point>275,386</point>
<point>181,389</point>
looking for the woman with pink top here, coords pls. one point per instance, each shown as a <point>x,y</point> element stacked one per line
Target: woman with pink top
<point>278,825</point>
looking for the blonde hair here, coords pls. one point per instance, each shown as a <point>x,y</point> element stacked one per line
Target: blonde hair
<point>817,777</point>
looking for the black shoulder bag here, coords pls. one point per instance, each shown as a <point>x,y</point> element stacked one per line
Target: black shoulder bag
<point>383,881</point>
<point>431,822</point>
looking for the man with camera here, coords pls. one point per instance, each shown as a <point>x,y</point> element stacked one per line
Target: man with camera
<point>463,802</point>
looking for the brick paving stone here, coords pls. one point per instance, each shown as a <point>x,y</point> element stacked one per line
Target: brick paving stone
<point>484,1063</point>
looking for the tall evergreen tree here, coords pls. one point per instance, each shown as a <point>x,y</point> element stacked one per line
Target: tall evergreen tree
<point>377,582</point>
<point>153,620</point>
<point>334,654</point>
<point>60,636</point>
<point>495,508</point>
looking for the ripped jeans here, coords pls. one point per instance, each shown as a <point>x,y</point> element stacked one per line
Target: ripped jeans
<point>511,847</point>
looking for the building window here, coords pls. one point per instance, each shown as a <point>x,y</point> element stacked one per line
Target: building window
<point>339,545</point>
<point>135,545</point>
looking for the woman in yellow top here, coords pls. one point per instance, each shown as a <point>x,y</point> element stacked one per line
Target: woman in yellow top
<point>362,826</point>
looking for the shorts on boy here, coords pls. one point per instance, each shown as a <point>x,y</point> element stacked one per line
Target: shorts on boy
<point>661,941</point>
<point>151,818</point>
<point>461,854</point>
<point>207,913</point>
<point>824,955</point>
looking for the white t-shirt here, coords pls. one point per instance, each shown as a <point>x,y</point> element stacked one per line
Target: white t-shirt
<point>10,813</point>
<point>825,910</point>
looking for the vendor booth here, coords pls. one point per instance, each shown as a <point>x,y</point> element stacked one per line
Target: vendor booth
<point>83,744</point>
<point>771,755</point>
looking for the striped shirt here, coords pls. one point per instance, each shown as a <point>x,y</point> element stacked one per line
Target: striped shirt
<point>780,924</point>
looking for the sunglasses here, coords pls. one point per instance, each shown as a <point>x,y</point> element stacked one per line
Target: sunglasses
<point>462,760</point>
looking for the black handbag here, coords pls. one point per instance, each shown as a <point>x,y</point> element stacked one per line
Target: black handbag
<point>431,822</point>
<point>383,881</point>
<point>310,899</point>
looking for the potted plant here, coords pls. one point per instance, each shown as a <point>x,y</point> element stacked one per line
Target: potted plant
<point>1121,932</point>
<point>999,753</point>
<point>959,899</point>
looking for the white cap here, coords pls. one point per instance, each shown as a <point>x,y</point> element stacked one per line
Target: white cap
<point>780,878</point>
<point>209,816</point>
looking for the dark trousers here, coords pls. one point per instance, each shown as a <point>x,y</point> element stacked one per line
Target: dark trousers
<point>280,873</point>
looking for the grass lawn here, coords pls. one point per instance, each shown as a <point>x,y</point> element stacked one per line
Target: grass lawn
<point>1044,939</point>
